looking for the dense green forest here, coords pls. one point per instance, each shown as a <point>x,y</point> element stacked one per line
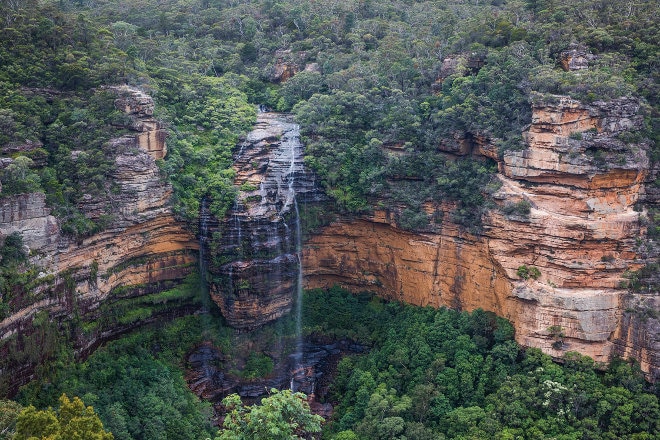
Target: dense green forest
<point>429,374</point>
<point>375,98</point>
<point>434,374</point>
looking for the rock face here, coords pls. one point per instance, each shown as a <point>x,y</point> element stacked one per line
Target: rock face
<point>581,183</point>
<point>140,107</point>
<point>637,334</point>
<point>27,214</point>
<point>143,250</point>
<point>566,215</point>
<point>255,265</point>
<point>285,67</point>
<point>576,58</point>
<point>444,268</point>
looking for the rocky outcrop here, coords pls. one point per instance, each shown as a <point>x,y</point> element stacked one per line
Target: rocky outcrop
<point>577,57</point>
<point>581,184</point>
<point>551,259</point>
<point>140,109</point>
<point>285,66</point>
<point>143,249</point>
<point>28,215</point>
<point>255,265</point>
<point>459,64</point>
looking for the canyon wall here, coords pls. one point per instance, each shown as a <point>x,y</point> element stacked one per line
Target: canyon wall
<point>551,259</point>
<point>91,287</point>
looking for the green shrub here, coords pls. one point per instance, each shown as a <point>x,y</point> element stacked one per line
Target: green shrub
<point>19,177</point>
<point>413,220</point>
<point>525,272</point>
<point>521,208</point>
<point>257,365</point>
<point>12,250</point>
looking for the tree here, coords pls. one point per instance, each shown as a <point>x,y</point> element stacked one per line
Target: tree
<point>382,418</point>
<point>72,421</point>
<point>18,177</point>
<point>301,87</point>
<point>9,411</point>
<point>283,415</point>
<point>12,251</point>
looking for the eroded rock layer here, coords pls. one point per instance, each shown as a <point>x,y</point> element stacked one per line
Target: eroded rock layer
<point>142,251</point>
<point>255,263</point>
<point>551,259</point>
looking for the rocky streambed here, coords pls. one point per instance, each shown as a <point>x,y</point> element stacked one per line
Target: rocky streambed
<point>213,374</point>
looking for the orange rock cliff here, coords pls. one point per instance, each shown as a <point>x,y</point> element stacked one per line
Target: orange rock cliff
<point>141,252</point>
<point>579,184</point>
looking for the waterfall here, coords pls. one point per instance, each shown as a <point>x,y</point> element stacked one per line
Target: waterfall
<point>261,244</point>
<point>299,297</point>
<point>293,140</point>
<point>239,234</point>
<point>203,241</point>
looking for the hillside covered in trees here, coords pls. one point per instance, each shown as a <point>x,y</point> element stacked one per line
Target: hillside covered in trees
<point>369,75</point>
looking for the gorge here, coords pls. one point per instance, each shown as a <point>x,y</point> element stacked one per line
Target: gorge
<point>435,219</point>
<point>580,232</point>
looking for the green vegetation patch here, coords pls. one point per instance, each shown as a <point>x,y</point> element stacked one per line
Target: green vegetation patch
<point>257,365</point>
<point>208,116</point>
<point>135,383</point>
<point>439,373</point>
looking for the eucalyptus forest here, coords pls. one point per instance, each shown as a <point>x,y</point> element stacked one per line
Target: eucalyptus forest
<point>407,111</point>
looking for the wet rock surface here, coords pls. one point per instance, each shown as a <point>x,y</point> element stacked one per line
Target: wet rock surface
<point>255,263</point>
<point>311,373</point>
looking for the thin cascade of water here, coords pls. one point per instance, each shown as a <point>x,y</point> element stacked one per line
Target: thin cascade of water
<point>291,139</point>
<point>262,193</point>
<point>299,295</point>
<point>237,226</point>
<point>203,240</point>
<point>231,278</point>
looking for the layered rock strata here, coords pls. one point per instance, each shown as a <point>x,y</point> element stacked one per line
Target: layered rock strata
<point>143,250</point>
<point>255,263</point>
<point>551,259</point>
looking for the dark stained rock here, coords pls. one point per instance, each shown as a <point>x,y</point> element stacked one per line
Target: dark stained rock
<point>255,264</point>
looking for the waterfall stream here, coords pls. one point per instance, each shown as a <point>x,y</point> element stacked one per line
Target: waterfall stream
<point>298,354</point>
<point>291,139</point>
<point>203,242</point>
<point>260,244</point>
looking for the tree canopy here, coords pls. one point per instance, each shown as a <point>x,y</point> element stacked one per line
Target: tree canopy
<point>71,421</point>
<point>283,415</point>
<point>379,85</point>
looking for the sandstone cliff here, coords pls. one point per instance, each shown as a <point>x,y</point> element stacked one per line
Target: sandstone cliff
<point>82,283</point>
<point>566,215</point>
